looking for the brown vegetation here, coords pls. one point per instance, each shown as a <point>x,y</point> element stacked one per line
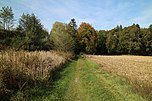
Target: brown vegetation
<point>18,69</point>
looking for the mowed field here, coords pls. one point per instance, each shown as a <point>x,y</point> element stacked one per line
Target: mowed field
<point>137,70</point>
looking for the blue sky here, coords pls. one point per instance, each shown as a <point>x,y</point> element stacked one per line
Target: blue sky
<point>101,14</point>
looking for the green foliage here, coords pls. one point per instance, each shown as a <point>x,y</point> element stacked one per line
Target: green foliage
<point>73,24</point>
<point>35,35</point>
<point>87,38</point>
<point>10,39</point>
<point>6,18</point>
<point>128,40</point>
<point>131,39</point>
<point>101,45</point>
<point>112,41</point>
<point>71,28</point>
<point>62,38</point>
<point>147,41</point>
<point>30,35</point>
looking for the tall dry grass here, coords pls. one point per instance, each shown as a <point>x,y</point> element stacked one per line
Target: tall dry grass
<point>17,69</point>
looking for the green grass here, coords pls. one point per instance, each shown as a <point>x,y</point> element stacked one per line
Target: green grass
<point>83,80</point>
<point>102,86</point>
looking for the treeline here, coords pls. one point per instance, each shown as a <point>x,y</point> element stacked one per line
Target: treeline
<point>31,35</point>
<point>128,40</point>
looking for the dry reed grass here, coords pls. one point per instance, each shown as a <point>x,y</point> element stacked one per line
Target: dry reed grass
<point>19,68</point>
<point>137,70</point>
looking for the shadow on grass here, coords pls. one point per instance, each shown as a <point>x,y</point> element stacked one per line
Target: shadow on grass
<point>38,90</point>
<point>44,89</point>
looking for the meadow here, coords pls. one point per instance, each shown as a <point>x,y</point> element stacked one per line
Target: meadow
<point>137,70</point>
<point>58,76</point>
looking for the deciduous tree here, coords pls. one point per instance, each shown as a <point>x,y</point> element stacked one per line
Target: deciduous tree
<point>61,39</point>
<point>87,38</point>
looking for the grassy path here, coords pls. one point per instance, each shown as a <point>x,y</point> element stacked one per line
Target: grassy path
<point>82,80</point>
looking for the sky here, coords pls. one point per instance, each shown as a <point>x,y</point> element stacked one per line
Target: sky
<point>101,14</point>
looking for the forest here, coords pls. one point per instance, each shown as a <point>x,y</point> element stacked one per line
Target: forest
<point>29,34</point>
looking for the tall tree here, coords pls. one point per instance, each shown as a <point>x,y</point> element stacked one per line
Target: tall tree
<point>87,38</point>
<point>73,23</point>
<point>147,40</point>
<point>31,26</point>
<point>131,39</point>
<point>71,27</point>
<point>6,18</point>
<point>61,39</point>
<point>101,45</point>
<point>112,41</point>
<point>150,28</point>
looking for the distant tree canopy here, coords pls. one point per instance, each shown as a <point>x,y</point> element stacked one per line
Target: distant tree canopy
<point>31,35</point>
